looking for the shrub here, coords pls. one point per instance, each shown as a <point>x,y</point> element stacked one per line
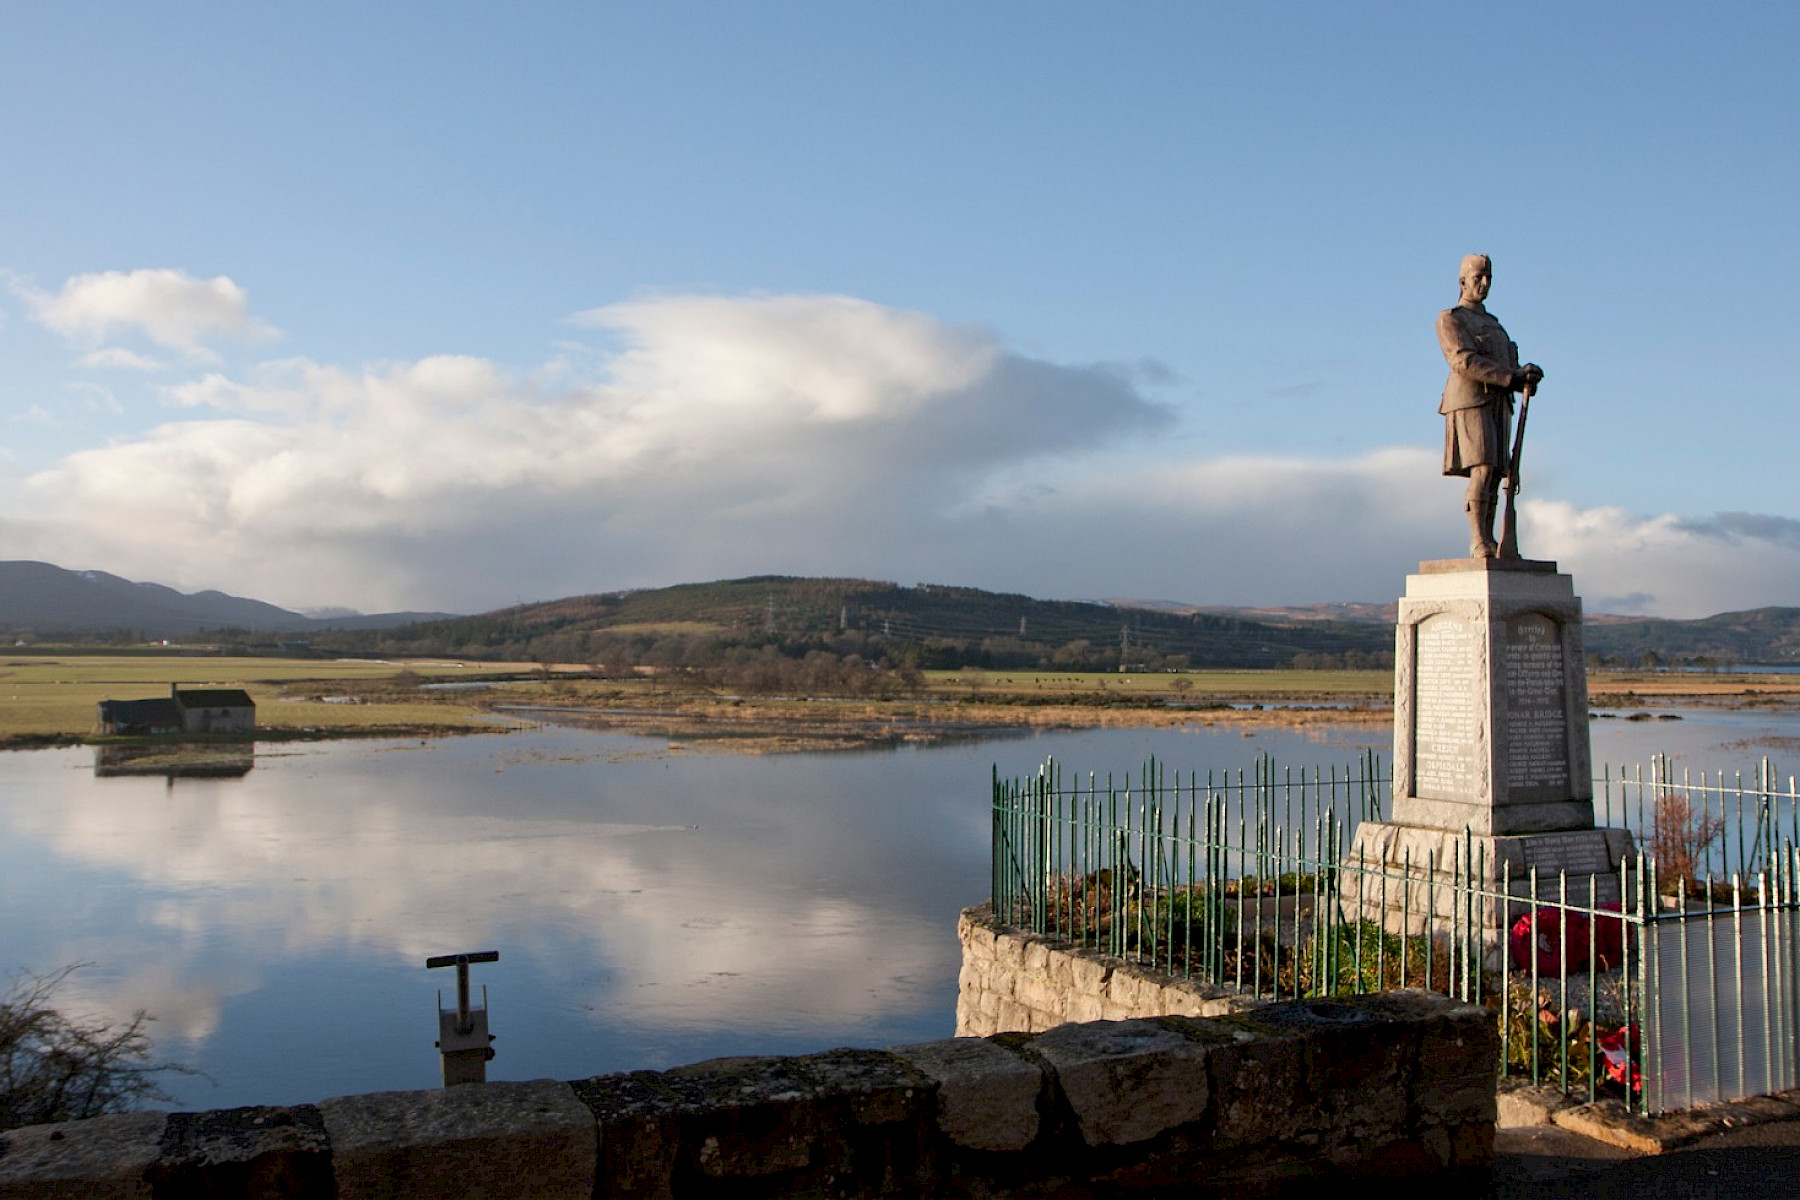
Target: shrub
<point>1679,840</point>
<point>54,1067</point>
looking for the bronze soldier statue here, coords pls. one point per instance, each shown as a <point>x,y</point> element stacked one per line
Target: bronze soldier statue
<point>1478,399</point>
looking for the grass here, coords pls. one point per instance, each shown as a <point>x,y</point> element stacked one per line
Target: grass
<point>45,696</point>
<point>50,695</point>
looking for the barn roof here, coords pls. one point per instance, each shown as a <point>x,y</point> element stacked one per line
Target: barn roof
<point>140,713</point>
<point>215,698</point>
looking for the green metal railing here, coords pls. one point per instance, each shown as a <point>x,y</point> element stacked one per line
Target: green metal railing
<point>1243,881</point>
<point>1701,823</point>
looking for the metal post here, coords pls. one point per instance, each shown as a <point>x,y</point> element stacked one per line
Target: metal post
<point>464,1044</point>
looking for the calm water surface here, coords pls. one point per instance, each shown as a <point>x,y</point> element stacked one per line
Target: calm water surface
<point>650,907</point>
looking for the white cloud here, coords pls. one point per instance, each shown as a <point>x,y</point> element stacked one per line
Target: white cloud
<point>277,881</point>
<point>725,434</point>
<point>1664,565</point>
<point>118,356</point>
<point>795,434</point>
<point>96,398</point>
<point>832,358</point>
<point>169,307</point>
<point>35,415</point>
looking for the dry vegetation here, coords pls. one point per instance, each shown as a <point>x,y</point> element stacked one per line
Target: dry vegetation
<point>57,1067</point>
<point>1626,689</point>
<point>49,698</point>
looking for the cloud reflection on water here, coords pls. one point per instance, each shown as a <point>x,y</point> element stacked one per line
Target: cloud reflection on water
<point>650,908</point>
<point>696,926</point>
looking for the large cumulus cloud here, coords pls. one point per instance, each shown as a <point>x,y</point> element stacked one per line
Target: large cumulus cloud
<point>697,437</point>
<point>720,435</point>
<point>1663,564</point>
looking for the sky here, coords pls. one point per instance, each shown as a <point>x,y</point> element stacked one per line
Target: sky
<point>453,306</point>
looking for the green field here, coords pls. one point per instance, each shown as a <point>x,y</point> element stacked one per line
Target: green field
<point>55,695</point>
<point>46,696</point>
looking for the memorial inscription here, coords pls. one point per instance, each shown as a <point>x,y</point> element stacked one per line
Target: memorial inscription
<point>1446,708</point>
<point>1577,854</point>
<point>1537,740</point>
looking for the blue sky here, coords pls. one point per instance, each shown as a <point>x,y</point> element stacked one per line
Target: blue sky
<point>456,305</point>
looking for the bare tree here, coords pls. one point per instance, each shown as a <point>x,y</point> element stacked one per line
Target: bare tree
<point>54,1067</point>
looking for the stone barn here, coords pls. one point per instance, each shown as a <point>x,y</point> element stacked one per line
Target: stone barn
<point>191,710</point>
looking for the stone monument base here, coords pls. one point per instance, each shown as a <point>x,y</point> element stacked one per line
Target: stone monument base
<point>1492,781</point>
<point>1409,878</point>
<point>1490,700</point>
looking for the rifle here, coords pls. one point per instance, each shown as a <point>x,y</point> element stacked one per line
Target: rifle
<point>1509,529</point>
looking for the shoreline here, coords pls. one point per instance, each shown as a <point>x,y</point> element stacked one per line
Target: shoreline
<point>730,728</point>
<point>950,709</point>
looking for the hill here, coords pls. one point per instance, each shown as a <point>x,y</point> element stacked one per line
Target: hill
<point>1760,636</point>
<point>928,625</point>
<point>39,600</point>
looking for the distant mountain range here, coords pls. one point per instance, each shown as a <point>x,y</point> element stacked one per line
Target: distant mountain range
<point>42,600</point>
<point>933,624</point>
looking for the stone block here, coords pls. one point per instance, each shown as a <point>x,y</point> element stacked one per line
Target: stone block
<point>1013,1016</point>
<point>244,1152</point>
<point>1456,1079</point>
<point>1224,1006</point>
<point>1172,999</point>
<point>1087,974</point>
<point>1357,1051</point>
<point>1040,995</point>
<point>746,1116</point>
<point>870,1087</point>
<point>1519,1104</point>
<point>639,1132</point>
<point>987,1096</point>
<point>1124,988</point>
<point>974,930</point>
<point>1205,1000</point>
<point>105,1158</point>
<point>1262,1090</point>
<point>874,1113</point>
<point>782,1125</point>
<point>1126,1081</point>
<point>1083,1006</point>
<point>494,1139</point>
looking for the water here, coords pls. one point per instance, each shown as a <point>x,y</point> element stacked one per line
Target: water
<point>650,907</point>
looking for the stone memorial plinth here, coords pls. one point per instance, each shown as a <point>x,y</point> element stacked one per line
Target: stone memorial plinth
<point>1491,759</point>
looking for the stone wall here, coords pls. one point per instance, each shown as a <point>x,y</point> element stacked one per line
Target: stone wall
<point>1024,982</point>
<point>1250,1103</point>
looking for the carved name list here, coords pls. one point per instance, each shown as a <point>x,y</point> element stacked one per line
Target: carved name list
<point>1537,740</point>
<point>1446,708</point>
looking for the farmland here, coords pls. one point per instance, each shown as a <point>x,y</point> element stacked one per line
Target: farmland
<point>50,697</point>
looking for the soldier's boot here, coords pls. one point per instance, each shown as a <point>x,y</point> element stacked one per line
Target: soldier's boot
<point>1481,526</point>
